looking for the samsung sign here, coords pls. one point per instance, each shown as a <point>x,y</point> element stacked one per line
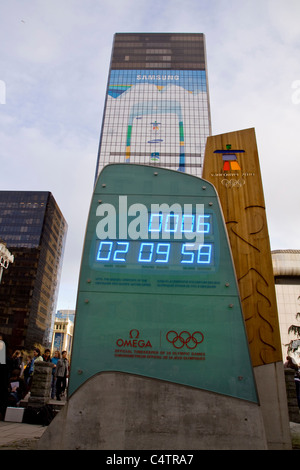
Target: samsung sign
<point>157,77</point>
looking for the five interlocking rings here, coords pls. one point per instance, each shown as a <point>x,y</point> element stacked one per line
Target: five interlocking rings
<point>233,183</point>
<point>185,338</point>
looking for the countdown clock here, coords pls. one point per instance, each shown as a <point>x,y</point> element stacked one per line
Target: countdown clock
<point>157,293</point>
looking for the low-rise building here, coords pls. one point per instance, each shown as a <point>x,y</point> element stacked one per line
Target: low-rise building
<point>286,267</point>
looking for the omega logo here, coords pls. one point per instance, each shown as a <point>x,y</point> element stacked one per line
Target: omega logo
<point>133,341</point>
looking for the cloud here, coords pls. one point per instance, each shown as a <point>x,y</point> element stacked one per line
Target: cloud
<point>284,18</point>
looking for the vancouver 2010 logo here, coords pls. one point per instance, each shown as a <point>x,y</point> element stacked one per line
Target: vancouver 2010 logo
<point>185,338</point>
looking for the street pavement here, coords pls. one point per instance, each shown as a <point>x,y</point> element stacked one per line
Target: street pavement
<point>22,436</point>
<point>19,436</point>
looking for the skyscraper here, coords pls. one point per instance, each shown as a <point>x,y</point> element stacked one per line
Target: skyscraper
<point>157,102</point>
<point>34,230</point>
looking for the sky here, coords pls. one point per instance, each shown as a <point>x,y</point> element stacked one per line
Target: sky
<point>54,62</point>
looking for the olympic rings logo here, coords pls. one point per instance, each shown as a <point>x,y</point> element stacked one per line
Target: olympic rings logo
<point>233,183</point>
<point>185,338</point>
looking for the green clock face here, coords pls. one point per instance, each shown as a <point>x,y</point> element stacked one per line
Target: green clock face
<point>157,292</point>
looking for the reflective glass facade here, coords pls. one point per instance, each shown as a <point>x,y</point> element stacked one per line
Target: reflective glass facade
<point>157,102</point>
<point>34,230</point>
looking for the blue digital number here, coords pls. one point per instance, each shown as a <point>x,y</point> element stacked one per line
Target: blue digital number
<point>171,224</point>
<point>188,222</point>
<point>162,253</point>
<point>154,253</point>
<point>187,254</point>
<point>161,250</point>
<point>203,224</point>
<point>204,254</point>
<point>104,251</point>
<point>155,223</point>
<point>119,255</point>
<point>146,252</point>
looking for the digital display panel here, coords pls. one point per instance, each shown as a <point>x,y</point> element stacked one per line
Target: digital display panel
<point>149,252</point>
<point>172,241</point>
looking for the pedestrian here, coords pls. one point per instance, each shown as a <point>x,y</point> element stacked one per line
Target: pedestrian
<point>46,356</point>
<point>297,383</point>
<point>36,358</point>
<point>14,362</point>
<point>290,363</point>
<point>54,361</point>
<point>62,372</point>
<point>26,372</point>
<point>17,388</point>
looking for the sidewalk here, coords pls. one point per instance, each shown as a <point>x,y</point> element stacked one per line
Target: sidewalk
<point>21,436</point>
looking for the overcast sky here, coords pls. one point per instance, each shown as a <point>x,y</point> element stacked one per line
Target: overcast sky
<point>54,61</point>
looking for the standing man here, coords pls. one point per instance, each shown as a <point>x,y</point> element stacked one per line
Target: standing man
<point>36,358</point>
<point>54,361</point>
<point>62,372</point>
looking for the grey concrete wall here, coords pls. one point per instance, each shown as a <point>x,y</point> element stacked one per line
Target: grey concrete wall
<point>271,390</point>
<point>125,412</point>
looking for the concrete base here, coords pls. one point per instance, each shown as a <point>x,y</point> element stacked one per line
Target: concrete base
<point>124,412</point>
<point>270,381</point>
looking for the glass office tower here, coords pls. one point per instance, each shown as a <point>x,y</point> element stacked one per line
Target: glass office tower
<point>157,102</point>
<point>34,230</point>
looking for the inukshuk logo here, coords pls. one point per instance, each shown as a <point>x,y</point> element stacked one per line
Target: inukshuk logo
<point>230,158</point>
